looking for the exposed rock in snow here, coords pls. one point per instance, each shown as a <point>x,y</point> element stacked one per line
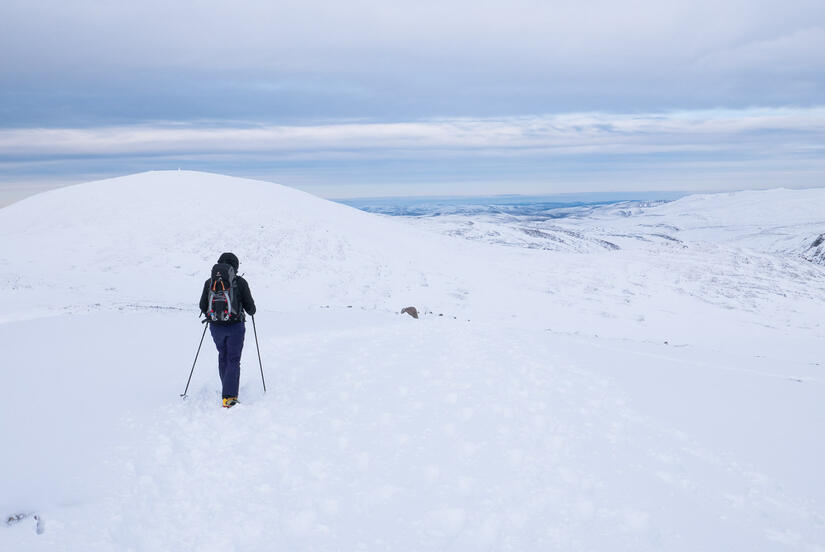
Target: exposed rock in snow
<point>39,526</point>
<point>816,251</point>
<point>412,311</point>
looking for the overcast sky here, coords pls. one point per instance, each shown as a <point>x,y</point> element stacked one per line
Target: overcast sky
<point>394,98</point>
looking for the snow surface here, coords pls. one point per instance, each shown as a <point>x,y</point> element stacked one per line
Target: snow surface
<point>663,392</point>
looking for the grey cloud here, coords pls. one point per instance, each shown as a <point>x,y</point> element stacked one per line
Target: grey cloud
<point>272,60</point>
<point>585,151</point>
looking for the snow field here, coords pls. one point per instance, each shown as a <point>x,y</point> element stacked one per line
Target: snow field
<point>662,396</point>
<point>385,432</point>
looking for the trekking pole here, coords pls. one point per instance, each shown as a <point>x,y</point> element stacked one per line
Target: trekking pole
<point>192,371</point>
<point>254,329</point>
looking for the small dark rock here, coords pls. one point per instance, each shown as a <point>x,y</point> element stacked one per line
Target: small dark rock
<point>412,311</point>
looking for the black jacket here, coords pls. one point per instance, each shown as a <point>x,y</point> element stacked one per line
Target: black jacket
<point>243,289</point>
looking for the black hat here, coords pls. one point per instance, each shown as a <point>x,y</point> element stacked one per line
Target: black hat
<point>230,259</point>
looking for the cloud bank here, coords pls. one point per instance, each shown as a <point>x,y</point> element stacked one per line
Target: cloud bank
<point>513,153</point>
<point>562,135</point>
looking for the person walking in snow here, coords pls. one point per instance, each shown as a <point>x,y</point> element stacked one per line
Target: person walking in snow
<point>224,300</point>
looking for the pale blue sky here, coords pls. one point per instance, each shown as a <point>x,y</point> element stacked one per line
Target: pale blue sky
<point>399,98</point>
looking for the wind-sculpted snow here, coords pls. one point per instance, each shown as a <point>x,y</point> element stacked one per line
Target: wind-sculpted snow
<point>639,377</point>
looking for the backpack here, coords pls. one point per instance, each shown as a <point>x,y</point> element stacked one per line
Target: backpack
<point>224,298</point>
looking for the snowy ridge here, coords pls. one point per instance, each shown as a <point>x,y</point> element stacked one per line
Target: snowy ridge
<point>661,394</point>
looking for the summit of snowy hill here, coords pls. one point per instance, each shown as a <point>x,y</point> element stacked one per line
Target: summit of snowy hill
<point>146,239</point>
<point>636,377</point>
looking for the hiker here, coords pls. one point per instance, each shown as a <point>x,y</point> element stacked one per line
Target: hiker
<point>224,299</point>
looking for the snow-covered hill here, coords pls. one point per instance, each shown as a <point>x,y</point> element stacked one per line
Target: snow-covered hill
<point>768,221</point>
<point>772,221</point>
<point>663,394</point>
<point>145,240</point>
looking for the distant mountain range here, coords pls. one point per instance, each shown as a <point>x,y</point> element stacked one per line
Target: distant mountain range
<point>538,207</point>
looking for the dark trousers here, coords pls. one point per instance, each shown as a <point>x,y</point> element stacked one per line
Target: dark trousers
<point>229,341</point>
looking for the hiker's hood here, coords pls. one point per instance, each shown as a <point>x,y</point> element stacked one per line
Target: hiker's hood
<point>230,259</point>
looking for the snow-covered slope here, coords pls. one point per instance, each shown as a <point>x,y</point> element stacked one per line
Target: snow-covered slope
<point>665,395</point>
<point>147,239</point>
<point>770,221</point>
